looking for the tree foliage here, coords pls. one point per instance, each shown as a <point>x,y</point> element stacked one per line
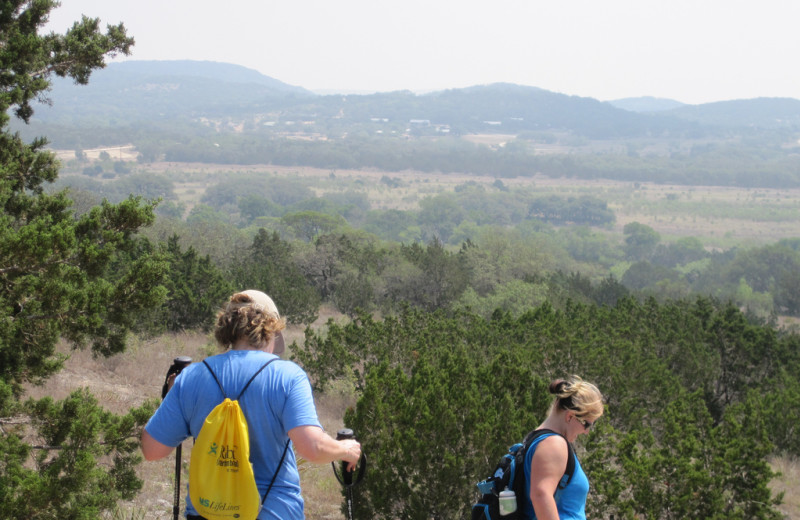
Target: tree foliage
<point>66,459</point>
<point>268,265</point>
<point>687,430</point>
<point>197,288</point>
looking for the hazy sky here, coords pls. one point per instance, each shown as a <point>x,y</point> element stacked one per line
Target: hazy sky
<point>694,51</point>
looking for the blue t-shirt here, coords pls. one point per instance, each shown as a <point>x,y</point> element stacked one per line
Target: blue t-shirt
<point>278,400</point>
<point>571,501</point>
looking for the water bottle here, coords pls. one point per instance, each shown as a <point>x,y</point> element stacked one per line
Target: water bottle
<point>508,502</point>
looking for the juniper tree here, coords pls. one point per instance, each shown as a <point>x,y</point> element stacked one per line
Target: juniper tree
<point>55,283</point>
<point>441,395</point>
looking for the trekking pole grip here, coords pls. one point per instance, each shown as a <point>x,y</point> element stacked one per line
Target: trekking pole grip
<point>347,479</point>
<point>347,476</point>
<point>178,364</point>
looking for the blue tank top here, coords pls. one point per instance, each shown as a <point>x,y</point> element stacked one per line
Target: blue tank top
<point>571,501</point>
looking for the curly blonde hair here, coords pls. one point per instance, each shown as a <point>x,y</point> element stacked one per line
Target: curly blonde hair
<point>242,317</point>
<point>577,395</point>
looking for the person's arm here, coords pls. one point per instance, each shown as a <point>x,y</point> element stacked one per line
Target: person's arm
<point>550,462</point>
<point>152,449</point>
<point>316,446</point>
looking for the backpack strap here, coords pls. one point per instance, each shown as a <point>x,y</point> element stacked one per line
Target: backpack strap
<point>567,477</point>
<point>277,470</point>
<point>224,395</point>
<point>254,376</point>
<point>265,365</point>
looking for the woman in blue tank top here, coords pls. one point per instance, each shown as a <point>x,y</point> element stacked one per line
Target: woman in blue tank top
<point>576,407</point>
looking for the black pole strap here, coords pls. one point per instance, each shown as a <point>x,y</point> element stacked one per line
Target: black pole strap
<point>346,480</point>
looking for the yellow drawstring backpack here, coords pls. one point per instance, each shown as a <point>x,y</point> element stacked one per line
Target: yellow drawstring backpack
<point>221,481</point>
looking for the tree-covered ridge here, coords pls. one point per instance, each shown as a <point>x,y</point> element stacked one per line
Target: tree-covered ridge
<point>697,398</point>
<point>193,89</point>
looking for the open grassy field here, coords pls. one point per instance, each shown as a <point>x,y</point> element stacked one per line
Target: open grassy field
<point>722,217</point>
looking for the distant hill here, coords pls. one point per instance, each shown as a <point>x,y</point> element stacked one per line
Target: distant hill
<point>134,91</point>
<point>767,113</point>
<point>645,104</point>
<point>509,108</point>
<point>155,92</point>
<point>223,72</point>
<point>192,97</point>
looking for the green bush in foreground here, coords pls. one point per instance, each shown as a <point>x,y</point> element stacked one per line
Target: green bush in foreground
<point>688,427</point>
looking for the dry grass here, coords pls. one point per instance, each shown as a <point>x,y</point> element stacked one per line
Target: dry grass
<point>788,482</point>
<point>125,152</point>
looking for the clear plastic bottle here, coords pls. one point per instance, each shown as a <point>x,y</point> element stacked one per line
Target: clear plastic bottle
<point>508,502</point>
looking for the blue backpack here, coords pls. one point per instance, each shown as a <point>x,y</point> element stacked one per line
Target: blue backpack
<point>510,473</point>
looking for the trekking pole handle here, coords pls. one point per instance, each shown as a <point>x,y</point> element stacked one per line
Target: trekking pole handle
<point>178,364</point>
<point>347,476</point>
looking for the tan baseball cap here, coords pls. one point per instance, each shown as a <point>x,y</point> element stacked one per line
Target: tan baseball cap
<point>265,302</point>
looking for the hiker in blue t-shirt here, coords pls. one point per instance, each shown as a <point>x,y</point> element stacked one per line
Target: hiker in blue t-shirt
<point>576,407</point>
<point>278,405</point>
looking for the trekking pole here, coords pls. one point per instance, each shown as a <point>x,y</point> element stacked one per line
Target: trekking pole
<point>347,479</point>
<point>178,364</point>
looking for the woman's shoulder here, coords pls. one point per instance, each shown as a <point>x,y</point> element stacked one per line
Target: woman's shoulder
<point>545,435</point>
<point>551,444</point>
<point>553,439</point>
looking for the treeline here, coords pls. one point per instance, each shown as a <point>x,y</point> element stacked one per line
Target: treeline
<point>354,271</point>
<point>717,165</point>
<point>744,162</point>
<point>698,397</point>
